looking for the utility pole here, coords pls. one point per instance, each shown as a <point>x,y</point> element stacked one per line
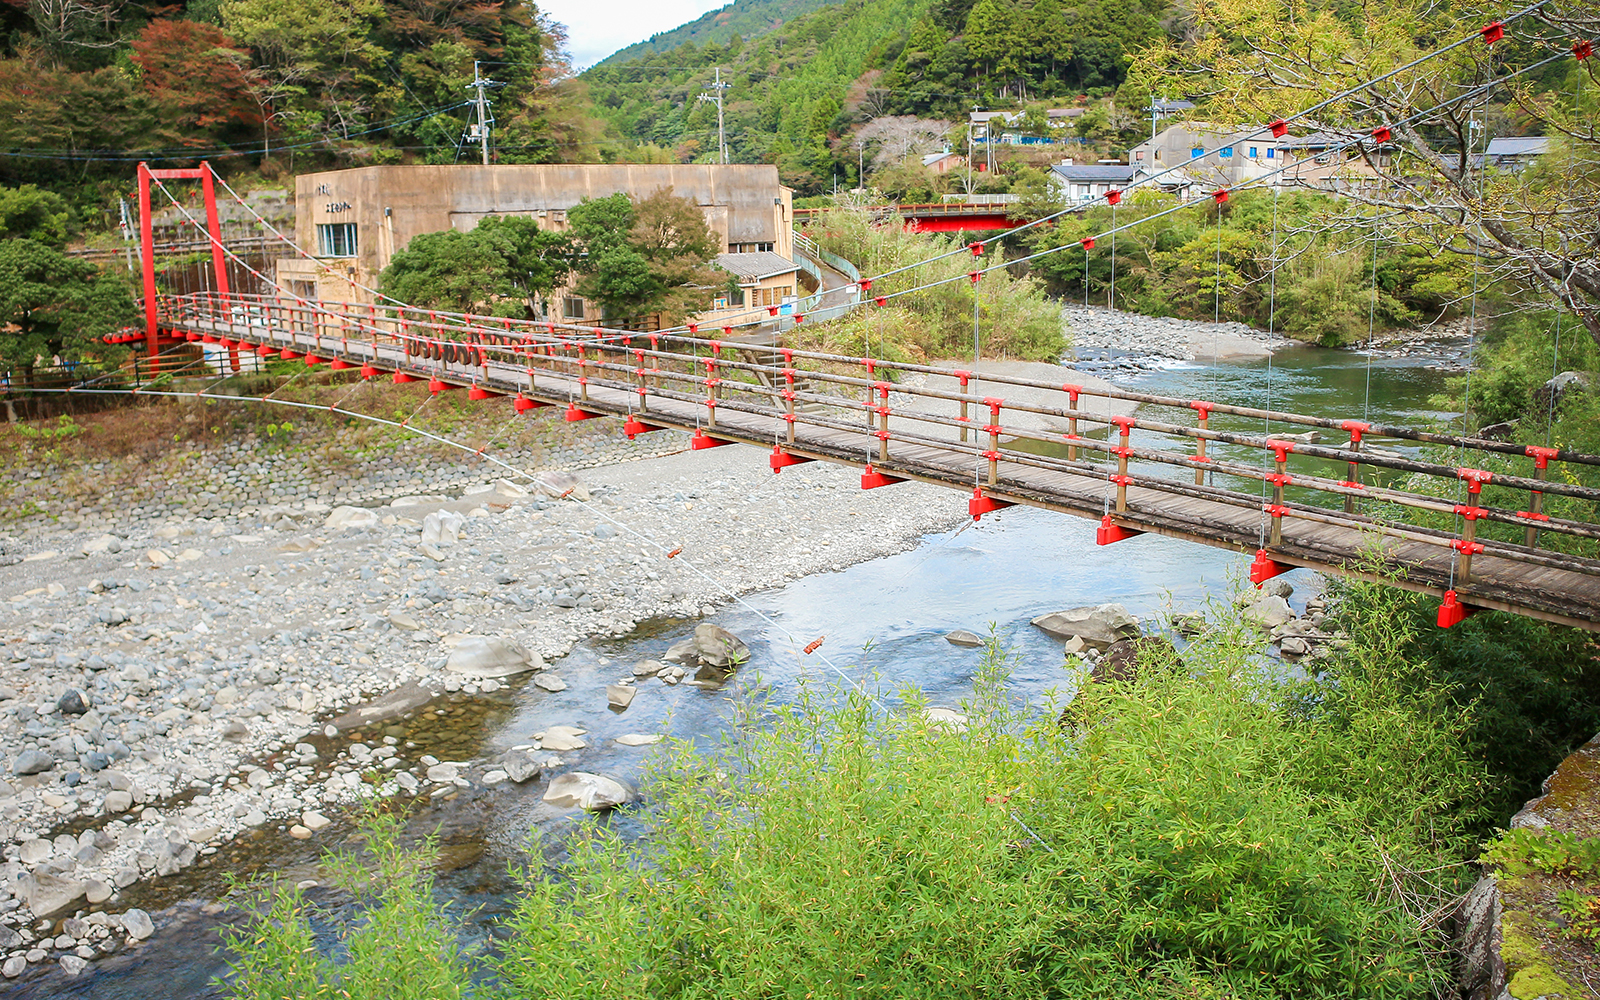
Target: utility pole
<point>480,129</point>
<point>716,98</point>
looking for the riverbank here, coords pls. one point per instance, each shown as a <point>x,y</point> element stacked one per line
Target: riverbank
<point>1097,328</point>
<point>161,683</point>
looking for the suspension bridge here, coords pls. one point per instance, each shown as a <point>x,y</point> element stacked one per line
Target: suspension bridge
<point>1479,524</point>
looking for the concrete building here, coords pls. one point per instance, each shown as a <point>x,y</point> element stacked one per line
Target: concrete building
<point>1244,153</point>
<point>356,220</point>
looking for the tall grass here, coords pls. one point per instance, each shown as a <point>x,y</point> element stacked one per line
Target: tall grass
<point>1015,320</point>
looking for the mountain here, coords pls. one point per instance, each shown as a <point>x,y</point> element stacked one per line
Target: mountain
<point>745,18</point>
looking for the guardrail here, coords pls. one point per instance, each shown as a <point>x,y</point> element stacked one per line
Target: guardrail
<point>1151,472</point>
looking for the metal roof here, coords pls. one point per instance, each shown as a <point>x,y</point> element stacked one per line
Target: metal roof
<point>755,266</point>
<point>1095,172</point>
<point>1529,145</point>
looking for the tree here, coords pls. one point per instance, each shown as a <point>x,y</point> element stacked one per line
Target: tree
<point>54,306</point>
<point>500,268</point>
<point>27,212</point>
<point>1534,229</point>
<point>642,258</point>
<point>198,78</point>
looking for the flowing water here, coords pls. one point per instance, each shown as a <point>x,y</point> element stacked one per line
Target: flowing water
<point>882,623</point>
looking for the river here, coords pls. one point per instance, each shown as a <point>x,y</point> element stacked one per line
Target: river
<point>882,623</point>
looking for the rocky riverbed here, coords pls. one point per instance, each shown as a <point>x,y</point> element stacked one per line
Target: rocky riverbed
<point>1098,329</point>
<point>173,682</point>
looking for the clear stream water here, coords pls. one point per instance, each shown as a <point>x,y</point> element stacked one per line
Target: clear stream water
<point>884,623</point>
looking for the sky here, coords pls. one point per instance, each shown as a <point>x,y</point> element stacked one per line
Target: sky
<point>597,28</point>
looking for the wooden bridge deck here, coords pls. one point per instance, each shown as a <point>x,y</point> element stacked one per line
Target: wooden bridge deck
<point>1567,596</point>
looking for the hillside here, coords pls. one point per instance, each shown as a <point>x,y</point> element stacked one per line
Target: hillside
<point>797,93</point>
<point>746,18</point>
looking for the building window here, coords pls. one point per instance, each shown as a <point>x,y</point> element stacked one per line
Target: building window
<point>1254,153</point>
<point>1226,151</point>
<point>336,239</point>
<point>571,307</point>
<point>1271,153</point>
<point>1138,154</point>
<point>1196,153</point>
<point>303,289</point>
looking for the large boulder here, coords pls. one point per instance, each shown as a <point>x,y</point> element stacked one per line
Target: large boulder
<point>350,517</point>
<point>1268,613</point>
<point>442,527</point>
<point>591,792</point>
<point>1125,656</point>
<point>488,656</point>
<point>48,895</point>
<point>1099,626</point>
<point>710,646</point>
<point>1557,389</point>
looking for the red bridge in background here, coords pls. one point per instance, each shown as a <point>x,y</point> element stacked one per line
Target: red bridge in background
<point>937,217</point>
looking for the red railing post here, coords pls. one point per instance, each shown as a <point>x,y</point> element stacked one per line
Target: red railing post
<point>1204,409</point>
<point>1535,512</point>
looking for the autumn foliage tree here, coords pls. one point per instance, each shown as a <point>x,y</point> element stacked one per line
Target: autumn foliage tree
<point>198,77</point>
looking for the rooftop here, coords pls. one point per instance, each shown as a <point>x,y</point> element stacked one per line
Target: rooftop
<point>1095,171</point>
<point>1527,145</point>
<point>755,266</point>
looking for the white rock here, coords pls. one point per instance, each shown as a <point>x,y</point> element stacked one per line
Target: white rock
<point>314,821</point>
<point>442,528</point>
<point>138,924</point>
<point>488,656</point>
<point>945,718</point>
<point>299,832</point>
<point>591,792</point>
<point>443,773</point>
<point>638,739</point>
<point>550,682</point>
<point>562,738</point>
<point>495,777</point>
<point>620,696</point>
<point>351,517</point>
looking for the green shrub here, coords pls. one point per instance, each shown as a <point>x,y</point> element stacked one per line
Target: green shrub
<point>400,947</point>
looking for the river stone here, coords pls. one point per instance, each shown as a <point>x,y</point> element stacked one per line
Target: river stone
<point>561,738</point>
<point>15,966</point>
<point>47,894</point>
<point>1099,626</point>
<point>36,851</point>
<point>506,488</point>
<point>96,892</point>
<point>401,620</point>
<point>945,718</point>
<point>32,762</point>
<point>442,527</point>
<point>620,696</point>
<point>9,938</point>
<point>638,739</point>
<point>718,647</point>
<point>961,637</point>
<point>351,517</point>
<point>550,682</point>
<point>105,543</point>
<point>487,656</point>
<point>1268,613</point>
<point>1294,646</point>
<point>519,767</point>
<point>314,821</point>
<point>72,964</point>
<point>647,668</point>
<point>138,924</point>
<point>590,792</point>
<point>118,802</point>
<point>72,702</point>
<point>1125,656</point>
